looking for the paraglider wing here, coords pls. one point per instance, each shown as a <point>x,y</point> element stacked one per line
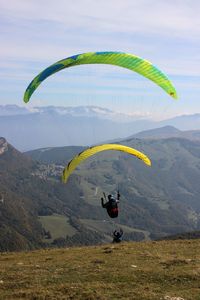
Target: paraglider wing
<point>93,150</point>
<point>125,60</point>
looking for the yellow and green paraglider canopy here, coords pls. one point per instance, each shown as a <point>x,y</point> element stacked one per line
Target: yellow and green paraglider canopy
<point>125,60</point>
<point>79,158</point>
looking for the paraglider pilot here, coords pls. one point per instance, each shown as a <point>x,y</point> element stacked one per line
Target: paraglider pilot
<point>117,236</point>
<point>111,205</point>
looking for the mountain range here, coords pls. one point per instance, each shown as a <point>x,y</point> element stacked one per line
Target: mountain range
<point>37,210</point>
<point>33,128</point>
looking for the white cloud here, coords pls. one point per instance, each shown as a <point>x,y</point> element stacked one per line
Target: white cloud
<point>49,30</point>
<point>129,15</point>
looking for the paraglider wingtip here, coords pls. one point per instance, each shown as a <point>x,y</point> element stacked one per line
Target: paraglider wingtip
<point>148,162</point>
<point>25,99</point>
<point>174,95</point>
<point>63,179</point>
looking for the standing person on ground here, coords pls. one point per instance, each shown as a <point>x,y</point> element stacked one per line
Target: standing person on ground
<point>117,236</point>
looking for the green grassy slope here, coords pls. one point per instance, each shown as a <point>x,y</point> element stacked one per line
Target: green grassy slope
<point>57,225</point>
<point>165,270</point>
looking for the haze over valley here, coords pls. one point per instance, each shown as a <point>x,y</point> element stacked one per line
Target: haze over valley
<point>78,126</point>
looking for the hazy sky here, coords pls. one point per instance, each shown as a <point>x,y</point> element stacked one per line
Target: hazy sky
<point>37,33</point>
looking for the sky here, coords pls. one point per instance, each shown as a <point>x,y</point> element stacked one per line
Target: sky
<point>36,33</point>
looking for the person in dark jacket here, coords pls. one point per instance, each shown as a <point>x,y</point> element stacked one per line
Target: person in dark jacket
<point>111,205</point>
<point>117,236</point>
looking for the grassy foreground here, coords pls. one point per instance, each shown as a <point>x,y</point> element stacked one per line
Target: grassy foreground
<point>165,270</point>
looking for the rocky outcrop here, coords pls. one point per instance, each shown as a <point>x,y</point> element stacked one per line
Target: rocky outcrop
<point>3,145</point>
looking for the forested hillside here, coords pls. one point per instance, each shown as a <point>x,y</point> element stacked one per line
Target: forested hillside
<point>38,210</point>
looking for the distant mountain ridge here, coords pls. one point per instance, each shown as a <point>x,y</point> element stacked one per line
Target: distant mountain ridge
<point>167,132</point>
<point>12,110</point>
<point>40,127</point>
<point>76,111</point>
<point>49,128</point>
